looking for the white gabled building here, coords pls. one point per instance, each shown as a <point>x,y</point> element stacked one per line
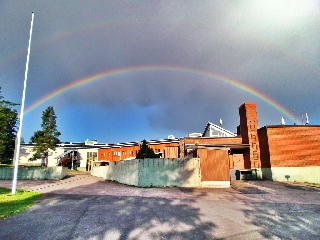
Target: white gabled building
<point>213,130</point>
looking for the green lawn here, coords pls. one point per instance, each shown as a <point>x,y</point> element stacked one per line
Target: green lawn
<point>6,165</point>
<point>11,204</point>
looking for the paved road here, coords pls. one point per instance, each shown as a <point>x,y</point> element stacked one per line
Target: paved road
<point>86,207</point>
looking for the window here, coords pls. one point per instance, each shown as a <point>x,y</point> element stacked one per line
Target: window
<point>92,156</point>
<point>95,156</point>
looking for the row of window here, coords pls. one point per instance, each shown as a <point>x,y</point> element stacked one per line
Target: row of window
<point>124,153</point>
<point>93,155</point>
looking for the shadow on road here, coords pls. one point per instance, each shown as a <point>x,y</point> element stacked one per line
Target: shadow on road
<point>286,220</point>
<point>83,216</point>
<point>108,210</point>
<point>285,211</point>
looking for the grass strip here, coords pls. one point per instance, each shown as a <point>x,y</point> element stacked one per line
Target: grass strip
<point>13,203</point>
<point>6,165</point>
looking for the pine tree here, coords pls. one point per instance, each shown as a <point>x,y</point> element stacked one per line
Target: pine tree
<point>145,151</point>
<point>47,137</point>
<point>8,129</point>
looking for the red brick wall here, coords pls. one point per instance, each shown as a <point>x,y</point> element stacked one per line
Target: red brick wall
<point>264,148</point>
<point>238,162</point>
<point>161,147</point>
<point>290,146</point>
<point>115,154</point>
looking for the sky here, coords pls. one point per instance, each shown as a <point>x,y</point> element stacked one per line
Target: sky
<point>121,71</point>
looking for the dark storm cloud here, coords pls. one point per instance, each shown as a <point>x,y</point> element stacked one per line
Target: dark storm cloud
<point>274,48</point>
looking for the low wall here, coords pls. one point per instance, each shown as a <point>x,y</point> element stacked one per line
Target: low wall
<point>154,172</point>
<point>34,173</point>
<point>281,174</point>
<point>291,174</point>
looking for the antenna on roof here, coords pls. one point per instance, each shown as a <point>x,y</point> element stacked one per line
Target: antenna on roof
<point>294,114</point>
<point>282,121</point>
<point>220,122</point>
<point>307,119</point>
<point>301,117</point>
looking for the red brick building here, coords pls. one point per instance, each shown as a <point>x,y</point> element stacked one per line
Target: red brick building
<point>278,152</point>
<point>281,153</point>
<point>165,148</point>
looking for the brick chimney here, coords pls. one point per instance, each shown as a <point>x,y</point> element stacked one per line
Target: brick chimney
<point>249,133</point>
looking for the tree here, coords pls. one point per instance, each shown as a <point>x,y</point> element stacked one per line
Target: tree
<point>8,129</point>
<point>47,137</point>
<point>145,151</point>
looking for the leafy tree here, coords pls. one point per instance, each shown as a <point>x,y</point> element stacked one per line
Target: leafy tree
<point>47,137</point>
<point>8,129</point>
<point>145,151</point>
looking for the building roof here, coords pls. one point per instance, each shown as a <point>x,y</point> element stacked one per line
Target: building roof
<point>137,143</point>
<point>72,145</point>
<point>290,126</point>
<point>222,131</point>
<point>83,145</point>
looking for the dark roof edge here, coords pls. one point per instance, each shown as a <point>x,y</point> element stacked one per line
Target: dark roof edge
<point>287,126</point>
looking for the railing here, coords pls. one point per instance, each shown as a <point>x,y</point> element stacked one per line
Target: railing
<point>63,161</point>
<point>65,158</point>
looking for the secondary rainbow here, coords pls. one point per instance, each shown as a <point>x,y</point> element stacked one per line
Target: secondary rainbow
<point>4,59</point>
<point>135,69</point>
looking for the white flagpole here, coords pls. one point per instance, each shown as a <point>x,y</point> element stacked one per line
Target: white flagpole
<point>18,140</point>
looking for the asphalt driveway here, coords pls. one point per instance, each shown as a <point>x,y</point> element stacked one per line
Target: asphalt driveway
<point>86,207</point>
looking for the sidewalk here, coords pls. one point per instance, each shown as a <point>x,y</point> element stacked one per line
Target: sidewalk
<point>86,207</point>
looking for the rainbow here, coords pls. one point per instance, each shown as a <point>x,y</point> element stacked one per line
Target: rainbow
<point>135,69</point>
